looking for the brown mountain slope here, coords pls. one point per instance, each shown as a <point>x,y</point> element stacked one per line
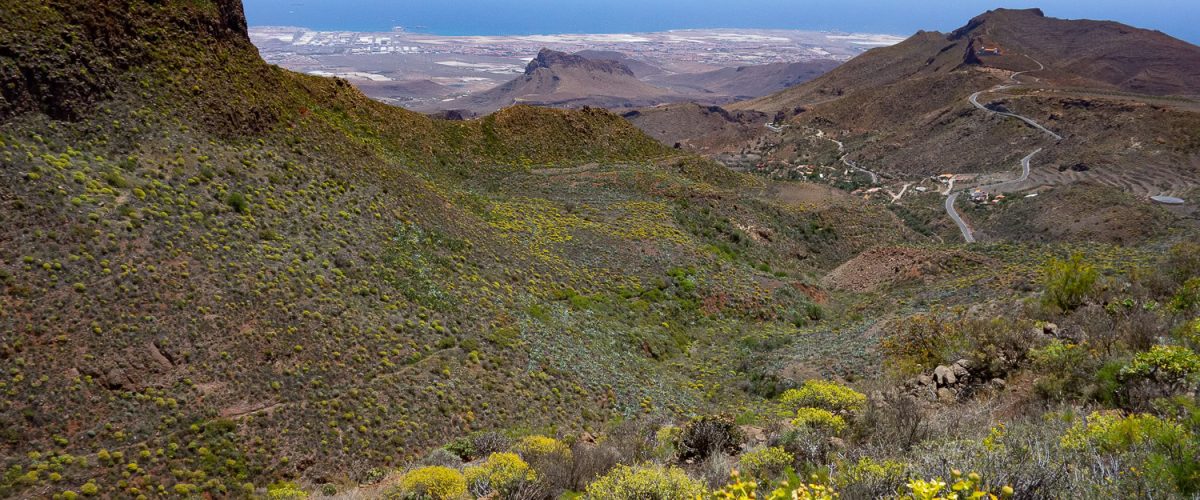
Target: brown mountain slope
<point>640,69</point>
<point>1095,54</point>
<point>559,79</point>
<point>695,127</point>
<point>1086,53</point>
<point>904,110</point>
<point>1117,105</point>
<point>744,82</point>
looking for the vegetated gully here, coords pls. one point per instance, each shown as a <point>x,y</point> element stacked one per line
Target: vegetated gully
<point>1010,185</point>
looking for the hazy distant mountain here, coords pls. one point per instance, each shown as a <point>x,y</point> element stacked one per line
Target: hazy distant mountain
<point>566,80</point>
<point>610,79</point>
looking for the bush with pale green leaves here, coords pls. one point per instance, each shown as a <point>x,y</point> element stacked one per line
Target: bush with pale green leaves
<point>868,471</point>
<point>765,463</point>
<point>1165,363</point>
<point>1113,432</point>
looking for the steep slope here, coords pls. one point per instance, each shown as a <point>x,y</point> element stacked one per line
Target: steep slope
<point>566,80</point>
<point>216,274</point>
<point>1099,54</point>
<point>909,111</point>
<point>746,82</point>
<point>1086,53</point>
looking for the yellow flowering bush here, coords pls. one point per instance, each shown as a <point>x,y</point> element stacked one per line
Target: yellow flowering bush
<point>964,487</point>
<point>288,491</point>
<point>498,472</point>
<point>791,488</point>
<point>435,482</point>
<point>540,446</point>
<point>646,482</point>
<point>816,418</point>
<point>830,396</point>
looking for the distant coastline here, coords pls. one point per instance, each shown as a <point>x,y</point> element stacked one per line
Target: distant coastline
<point>534,17</point>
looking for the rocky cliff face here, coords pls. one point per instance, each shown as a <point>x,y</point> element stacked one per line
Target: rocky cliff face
<point>552,59</point>
<point>59,56</point>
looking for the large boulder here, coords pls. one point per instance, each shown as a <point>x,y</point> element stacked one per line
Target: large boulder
<point>944,376</point>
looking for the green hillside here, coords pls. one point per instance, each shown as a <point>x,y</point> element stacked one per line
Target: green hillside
<point>217,276</point>
<point>216,266</point>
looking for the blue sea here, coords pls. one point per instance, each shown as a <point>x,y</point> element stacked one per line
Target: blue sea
<point>498,17</point>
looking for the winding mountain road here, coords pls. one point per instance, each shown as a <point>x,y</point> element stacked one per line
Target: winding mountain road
<point>846,161</point>
<point>1008,185</point>
<point>999,187</point>
<point>975,100</point>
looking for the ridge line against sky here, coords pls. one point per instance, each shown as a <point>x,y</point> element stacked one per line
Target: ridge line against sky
<point>1178,18</point>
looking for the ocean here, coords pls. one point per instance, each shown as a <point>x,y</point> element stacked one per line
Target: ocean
<point>523,17</point>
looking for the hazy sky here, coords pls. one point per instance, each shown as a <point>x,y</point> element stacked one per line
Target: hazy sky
<point>1180,18</point>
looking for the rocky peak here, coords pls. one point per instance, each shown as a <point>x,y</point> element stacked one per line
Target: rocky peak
<point>995,16</point>
<point>553,60</point>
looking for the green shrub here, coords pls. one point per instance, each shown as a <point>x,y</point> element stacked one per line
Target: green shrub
<point>1065,369</point>
<point>830,396</point>
<point>765,463</point>
<point>817,418</point>
<point>647,482</point>
<point>1189,333</point>
<point>436,483</point>
<point>238,202</point>
<point>1068,282</point>
<point>1108,383</point>
<point>918,343</point>
<point>1170,364</point>
<point>499,472</point>
<point>1187,297</point>
<point>480,444</point>
<point>1113,432</point>
<point>1183,261</point>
